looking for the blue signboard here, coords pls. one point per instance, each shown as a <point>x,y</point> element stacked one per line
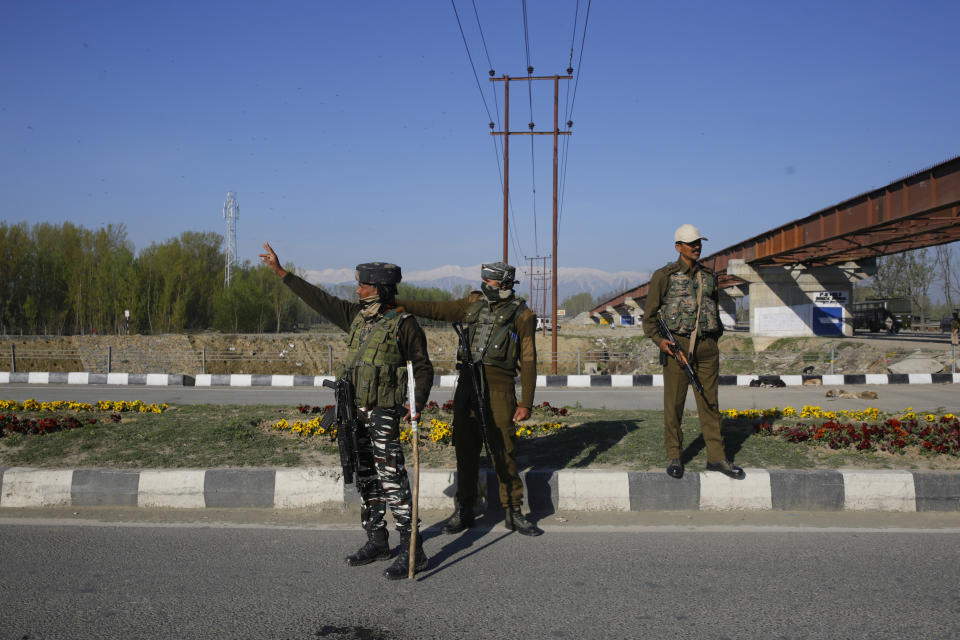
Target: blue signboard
<point>828,321</point>
<point>626,319</point>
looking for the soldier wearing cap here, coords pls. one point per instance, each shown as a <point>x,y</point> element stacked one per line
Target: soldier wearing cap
<point>501,331</point>
<point>687,294</point>
<point>381,338</point>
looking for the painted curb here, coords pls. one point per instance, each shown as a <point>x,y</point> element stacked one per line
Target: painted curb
<point>546,490</point>
<point>450,381</point>
<point>83,377</point>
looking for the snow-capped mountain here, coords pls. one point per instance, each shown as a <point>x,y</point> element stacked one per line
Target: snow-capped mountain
<point>570,280</point>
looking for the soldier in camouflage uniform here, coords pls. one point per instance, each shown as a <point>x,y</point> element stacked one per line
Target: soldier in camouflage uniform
<point>381,338</point>
<point>687,293</point>
<point>501,331</point>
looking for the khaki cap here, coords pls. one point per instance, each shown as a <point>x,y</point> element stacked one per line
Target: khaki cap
<point>687,233</point>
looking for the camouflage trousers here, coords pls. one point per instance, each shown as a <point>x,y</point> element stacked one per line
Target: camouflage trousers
<point>381,476</point>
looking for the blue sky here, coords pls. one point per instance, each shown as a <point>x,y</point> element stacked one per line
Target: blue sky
<point>355,131</point>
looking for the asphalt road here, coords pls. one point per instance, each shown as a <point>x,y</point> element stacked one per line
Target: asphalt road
<point>673,575</point>
<point>891,397</point>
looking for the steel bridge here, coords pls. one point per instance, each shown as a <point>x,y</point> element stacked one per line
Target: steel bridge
<point>921,210</point>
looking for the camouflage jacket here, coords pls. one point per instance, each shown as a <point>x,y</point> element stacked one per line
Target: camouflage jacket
<point>673,288</point>
<point>525,323</point>
<point>411,343</point>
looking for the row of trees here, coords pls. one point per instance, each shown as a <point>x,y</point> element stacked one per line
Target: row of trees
<point>64,279</point>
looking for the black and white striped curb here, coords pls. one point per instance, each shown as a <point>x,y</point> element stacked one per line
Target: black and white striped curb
<point>546,491</point>
<point>612,381</point>
<point>82,377</point>
<point>449,381</point>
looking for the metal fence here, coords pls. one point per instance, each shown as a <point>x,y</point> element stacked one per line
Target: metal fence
<point>108,359</point>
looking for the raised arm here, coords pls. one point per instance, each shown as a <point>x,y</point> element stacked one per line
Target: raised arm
<point>338,311</point>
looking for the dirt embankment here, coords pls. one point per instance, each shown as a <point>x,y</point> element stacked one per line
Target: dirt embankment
<point>579,350</point>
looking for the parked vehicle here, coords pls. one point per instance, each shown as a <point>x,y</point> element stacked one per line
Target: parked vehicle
<point>890,315</point>
<point>544,324</point>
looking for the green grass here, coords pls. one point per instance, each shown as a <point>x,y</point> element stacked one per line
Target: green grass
<point>205,436</point>
<point>198,436</point>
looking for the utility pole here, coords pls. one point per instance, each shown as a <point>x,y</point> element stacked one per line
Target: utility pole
<point>538,287</point>
<point>506,133</point>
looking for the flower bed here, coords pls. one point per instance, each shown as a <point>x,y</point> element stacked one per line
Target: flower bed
<point>12,423</point>
<point>436,430</point>
<point>862,430</point>
<point>69,405</point>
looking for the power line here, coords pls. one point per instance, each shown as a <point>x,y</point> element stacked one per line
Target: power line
<point>533,157</point>
<point>576,82</point>
<point>583,40</point>
<point>496,105</point>
<point>497,151</point>
<point>470,57</point>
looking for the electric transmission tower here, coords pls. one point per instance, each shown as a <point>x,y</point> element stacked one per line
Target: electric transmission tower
<point>231,211</point>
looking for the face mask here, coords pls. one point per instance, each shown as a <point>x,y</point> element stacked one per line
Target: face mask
<point>495,294</point>
<point>371,307</point>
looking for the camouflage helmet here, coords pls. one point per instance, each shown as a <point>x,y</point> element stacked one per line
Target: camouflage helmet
<point>378,273</point>
<point>502,272</point>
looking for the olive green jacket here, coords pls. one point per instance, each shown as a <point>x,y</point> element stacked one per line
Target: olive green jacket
<point>497,378</point>
<point>413,342</point>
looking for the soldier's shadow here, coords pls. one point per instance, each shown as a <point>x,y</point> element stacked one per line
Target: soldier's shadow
<point>574,448</point>
<point>454,545</point>
<point>735,433</point>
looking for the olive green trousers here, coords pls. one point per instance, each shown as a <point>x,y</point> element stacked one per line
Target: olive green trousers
<point>502,439</point>
<point>706,365</point>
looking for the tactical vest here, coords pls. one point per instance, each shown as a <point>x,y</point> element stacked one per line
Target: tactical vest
<point>375,365</point>
<point>680,303</point>
<point>492,333</point>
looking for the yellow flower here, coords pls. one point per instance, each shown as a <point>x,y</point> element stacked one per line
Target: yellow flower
<point>439,430</point>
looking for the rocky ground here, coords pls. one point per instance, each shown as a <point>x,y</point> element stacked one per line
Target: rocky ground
<point>579,350</point>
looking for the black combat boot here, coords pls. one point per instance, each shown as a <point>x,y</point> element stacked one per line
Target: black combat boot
<point>400,568</point>
<point>461,519</point>
<point>516,522</point>
<point>727,468</point>
<point>376,548</point>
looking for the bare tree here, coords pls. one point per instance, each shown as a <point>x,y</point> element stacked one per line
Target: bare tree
<point>947,271</point>
<point>907,275</point>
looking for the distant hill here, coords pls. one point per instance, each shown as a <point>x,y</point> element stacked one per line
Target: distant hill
<point>570,280</point>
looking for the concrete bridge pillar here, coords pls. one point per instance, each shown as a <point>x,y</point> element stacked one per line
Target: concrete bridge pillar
<point>795,301</point>
<point>728,305</point>
<point>634,308</point>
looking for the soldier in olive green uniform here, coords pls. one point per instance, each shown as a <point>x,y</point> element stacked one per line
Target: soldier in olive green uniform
<point>687,294</point>
<point>501,331</point>
<point>381,338</point>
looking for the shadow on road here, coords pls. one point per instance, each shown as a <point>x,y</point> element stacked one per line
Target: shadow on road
<point>457,543</point>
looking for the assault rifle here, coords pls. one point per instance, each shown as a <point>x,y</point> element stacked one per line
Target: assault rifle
<point>680,356</point>
<point>474,368</point>
<point>343,413</point>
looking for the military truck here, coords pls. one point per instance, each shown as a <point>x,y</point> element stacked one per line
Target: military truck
<point>889,314</point>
